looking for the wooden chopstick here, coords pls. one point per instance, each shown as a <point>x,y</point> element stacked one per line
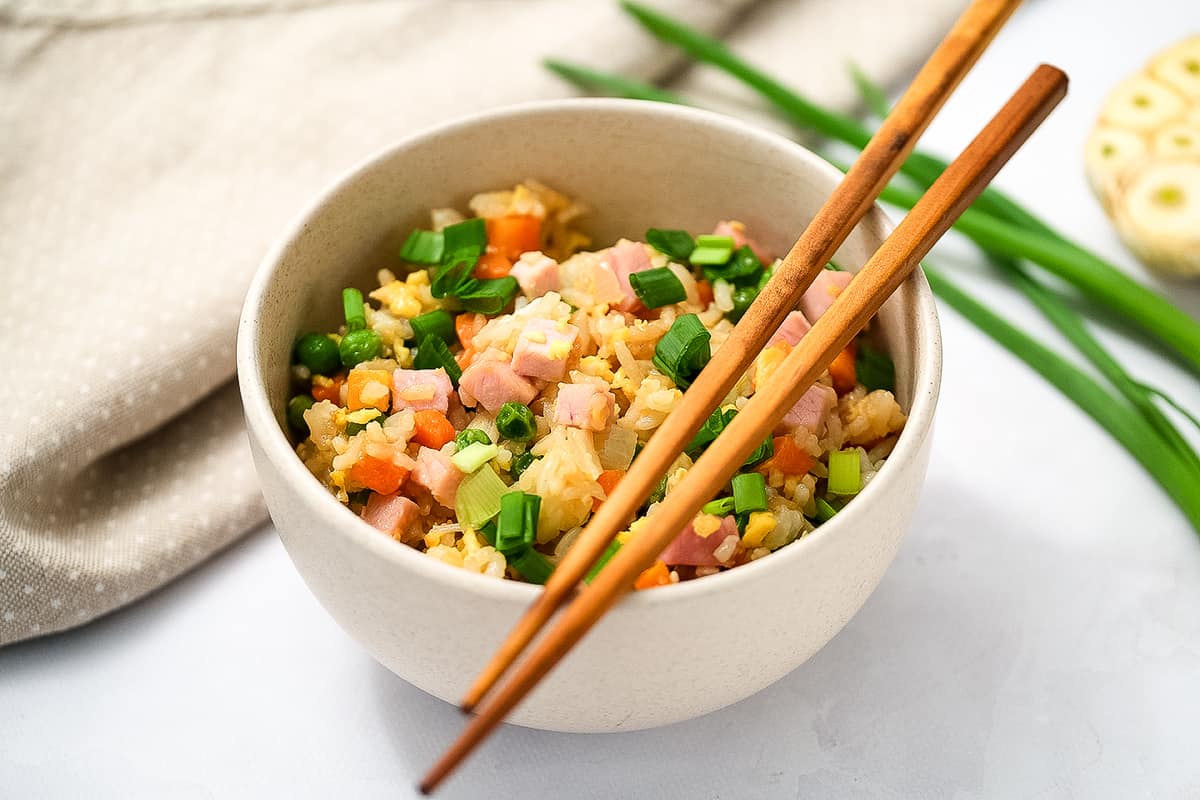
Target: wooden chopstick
<point>878,162</point>
<point>912,239</point>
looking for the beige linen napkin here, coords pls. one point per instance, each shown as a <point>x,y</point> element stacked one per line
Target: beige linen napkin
<point>152,149</point>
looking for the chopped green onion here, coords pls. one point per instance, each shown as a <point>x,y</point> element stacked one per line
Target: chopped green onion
<point>832,267</point>
<point>845,472</point>
<point>354,426</point>
<point>743,269</point>
<point>423,247</point>
<point>470,436</point>
<point>295,412</point>
<point>470,235</point>
<point>488,532</point>
<point>709,431</point>
<point>743,296</point>
<point>478,497</point>
<point>749,492</point>
<point>474,456</point>
<point>825,510</point>
<point>359,346</point>
<point>352,305</point>
<point>516,422</point>
<point>676,245</point>
<point>437,323</point>
<point>657,287</point>
<point>433,353</point>
<point>683,351</point>
<point>660,491</point>
<point>873,368</point>
<point>605,557</point>
<point>520,463</point>
<point>533,566</point>
<point>489,297</point>
<point>765,278</point>
<point>721,507</point>
<point>513,533</point>
<point>761,453</point>
<point>453,276</point>
<point>712,240</point>
<point>711,255</point>
<point>318,352</point>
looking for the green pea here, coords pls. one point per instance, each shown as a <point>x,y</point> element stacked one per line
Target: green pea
<point>742,298</point>
<point>317,352</point>
<point>359,346</point>
<point>470,436</point>
<point>295,412</point>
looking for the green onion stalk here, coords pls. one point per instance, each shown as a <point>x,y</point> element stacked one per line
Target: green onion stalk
<point>1097,278</point>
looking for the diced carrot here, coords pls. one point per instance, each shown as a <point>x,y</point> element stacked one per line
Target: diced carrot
<point>845,378</point>
<point>466,325</point>
<point>704,289</point>
<point>328,388</point>
<point>514,234</point>
<point>658,575</point>
<point>465,358</point>
<point>492,264</point>
<point>433,429</point>
<point>368,388</point>
<point>789,458</point>
<point>608,480</point>
<point>376,471</point>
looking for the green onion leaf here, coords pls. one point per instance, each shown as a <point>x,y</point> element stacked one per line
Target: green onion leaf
<point>825,510</point>
<point>749,492</point>
<point>437,323</point>
<point>470,436</point>
<point>488,532</point>
<point>468,236</point>
<point>761,453</point>
<point>710,255</point>
<point>657,287</point>
<point>743,297</point>
<point>352,306</point>
<point>434,353</point>
<point>520,463</point>
<point>845,472</point>
<point>423,247</point>
<point>720,507</point>
<point>676,245</point>
<point>683,351</point>
<point>453,276</point>
<point>873,368</point>
<point>709,431</point>
<point>516,422</point>
<point>489,297</point>
<point>478,497</point>
<point>743,269</point>
<point>605,557</point>
<point>473,456</point>
<point>660,491</point>
<point>533,566</point>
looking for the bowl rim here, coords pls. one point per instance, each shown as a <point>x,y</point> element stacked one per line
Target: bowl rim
<point>275,447</point>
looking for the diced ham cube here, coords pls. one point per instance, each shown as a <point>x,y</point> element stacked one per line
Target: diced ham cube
<point>583,405</point>
<point>820,295</point>
<point>691,549</point>
<point>536,274</point>
<point>794,326</point>
<point>542,349</point>
<point>421,389</point>
<point>436,473</point>
<point>623,259</point>
<point>737,231</point>
<point>810,410</point>
<point>491,383</point>
<point>390,513</point>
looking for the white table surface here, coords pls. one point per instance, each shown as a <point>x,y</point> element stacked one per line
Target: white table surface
<point>1037,636</point>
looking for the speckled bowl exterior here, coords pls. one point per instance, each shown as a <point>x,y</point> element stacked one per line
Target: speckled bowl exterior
<point>660,656</point>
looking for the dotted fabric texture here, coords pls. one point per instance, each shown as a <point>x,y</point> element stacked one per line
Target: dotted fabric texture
<point>152,152</point>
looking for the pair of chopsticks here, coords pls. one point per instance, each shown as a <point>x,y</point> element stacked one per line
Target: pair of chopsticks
<point>912,239</point>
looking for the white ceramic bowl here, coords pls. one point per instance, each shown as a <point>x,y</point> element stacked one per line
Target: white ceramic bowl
<point>660,656</point>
